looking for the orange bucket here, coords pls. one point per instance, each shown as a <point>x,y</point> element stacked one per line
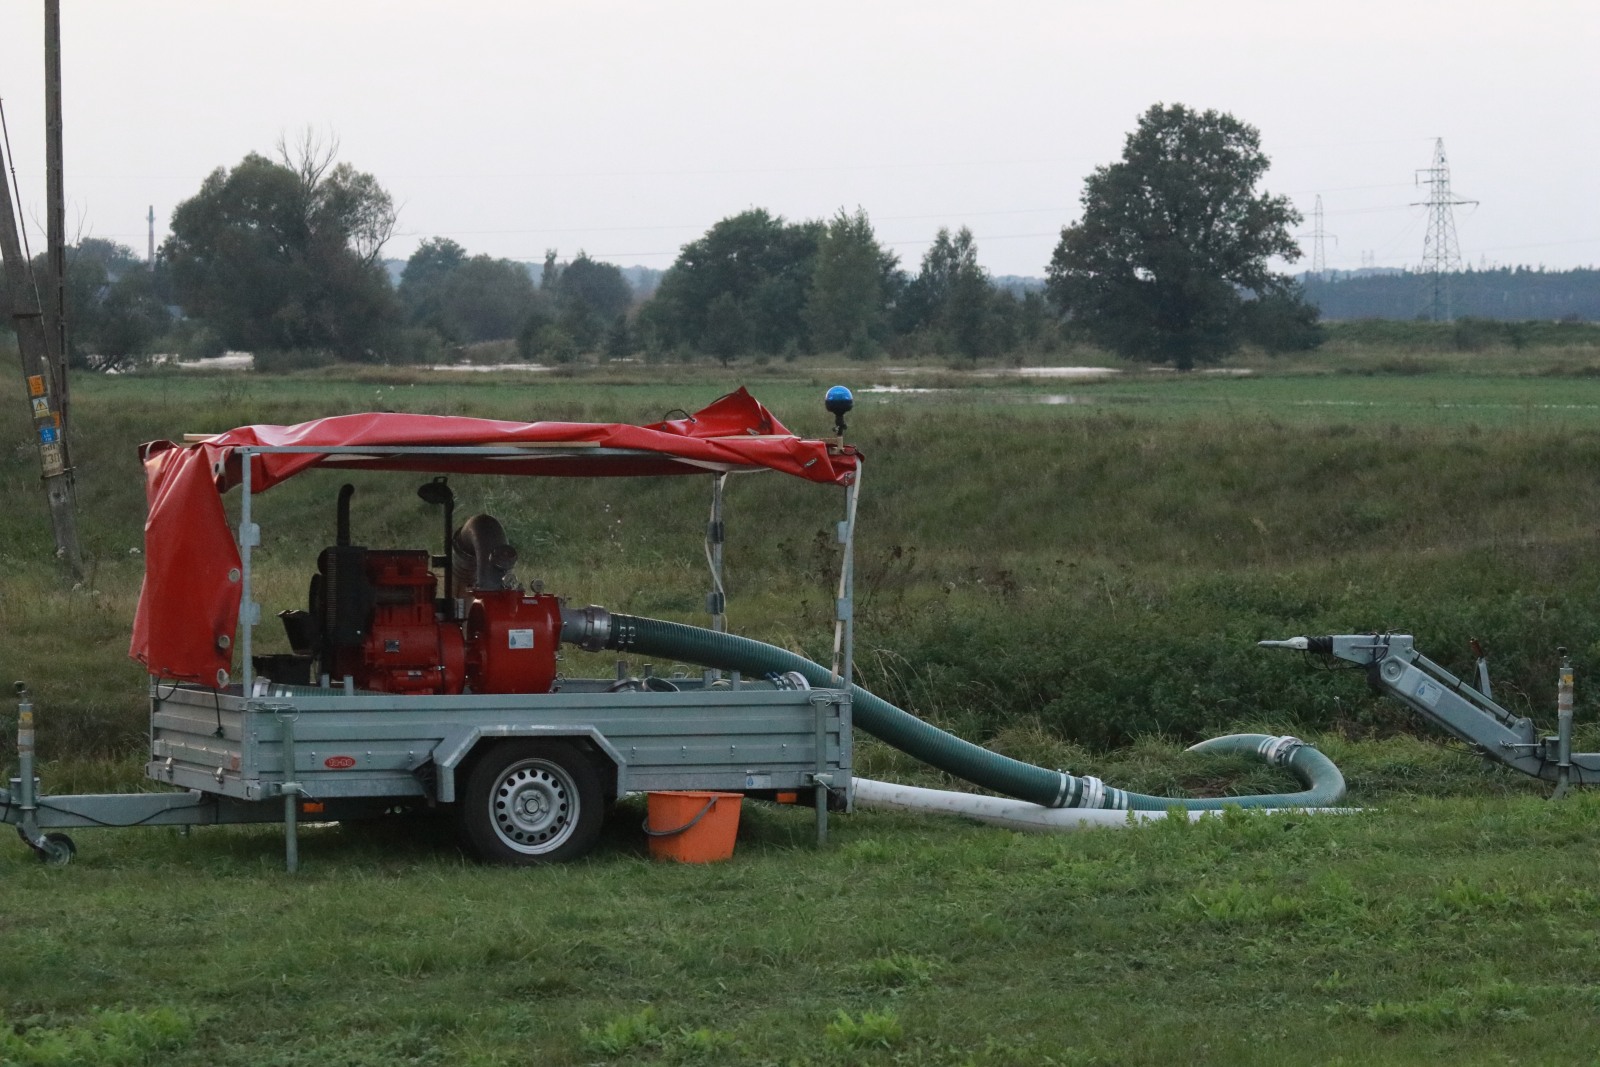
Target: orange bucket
<point>692,827</point>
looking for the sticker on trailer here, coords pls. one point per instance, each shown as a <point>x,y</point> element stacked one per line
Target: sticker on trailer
<point>339,763</point>
<point>519,638</point>
<point>758,781</point>
<point>1429,693</point>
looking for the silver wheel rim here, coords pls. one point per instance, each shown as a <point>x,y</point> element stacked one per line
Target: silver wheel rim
<point>534,807</point>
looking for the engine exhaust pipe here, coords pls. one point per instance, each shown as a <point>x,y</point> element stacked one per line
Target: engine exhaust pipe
<point>439,493</point>
<point>341,535</point>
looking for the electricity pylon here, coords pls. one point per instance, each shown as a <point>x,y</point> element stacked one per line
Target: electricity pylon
<point>1319,258</point>
<point>1441,255</point>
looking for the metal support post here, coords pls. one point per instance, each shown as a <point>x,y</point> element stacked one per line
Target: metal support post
<point>249,611</point>
<point>717,598</point>
<point>291,790</point>
<point>1483,669</point>
<point>1563,727</point>
<point>844,607</point>
<point>27,786</point>
<point>716,537</point>
<point>821,778</point>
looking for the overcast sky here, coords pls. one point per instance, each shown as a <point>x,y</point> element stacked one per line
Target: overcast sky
<point>626,128</point>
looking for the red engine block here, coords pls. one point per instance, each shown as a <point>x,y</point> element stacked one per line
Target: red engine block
<point>407,650</point>
<point>509,643</point>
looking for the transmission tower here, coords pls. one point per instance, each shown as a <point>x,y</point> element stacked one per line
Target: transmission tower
<point>1441,255</point>
<point>1319,258</point>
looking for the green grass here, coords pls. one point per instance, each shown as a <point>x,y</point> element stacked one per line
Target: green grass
<point>1078,585</point>
<point>1429,929</point>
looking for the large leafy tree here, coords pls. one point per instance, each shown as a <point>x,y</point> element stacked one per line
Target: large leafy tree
<point>115,312</point>
<point>466,298</point>
<point>424,289</point>
<point>599,288</point>
<point>852,285</point>
<point>591,297</point>
<point>951,295</point>
<point>284,254</point>
<point>761,263</point>
<point>1175,240</point>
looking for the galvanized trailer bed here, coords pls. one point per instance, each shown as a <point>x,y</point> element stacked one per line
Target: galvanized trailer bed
<point>361,755</point>
<point>377,745</point>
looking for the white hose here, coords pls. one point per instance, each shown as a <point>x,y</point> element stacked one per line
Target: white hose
<point>1017,814</point>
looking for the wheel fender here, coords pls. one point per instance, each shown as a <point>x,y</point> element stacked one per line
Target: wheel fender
<point>457,745</point>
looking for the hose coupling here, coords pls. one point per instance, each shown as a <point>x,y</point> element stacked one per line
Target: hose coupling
<point>1280,750</point>
<point>589,628</point>
<point>790,680</point>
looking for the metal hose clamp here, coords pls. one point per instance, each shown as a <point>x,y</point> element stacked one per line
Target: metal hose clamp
<point>1280,750</point>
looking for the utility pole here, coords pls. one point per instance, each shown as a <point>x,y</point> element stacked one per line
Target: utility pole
<point>150,256</point>
<point>56,215</point>
<point>1441,256</point>
<point>27,318</point>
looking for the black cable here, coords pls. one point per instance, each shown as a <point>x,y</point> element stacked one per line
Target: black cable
<point>1323,661</point>
<point>43,803</point>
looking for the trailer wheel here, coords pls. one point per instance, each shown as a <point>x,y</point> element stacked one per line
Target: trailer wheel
<point>532,802</point>
<point>58,849</point>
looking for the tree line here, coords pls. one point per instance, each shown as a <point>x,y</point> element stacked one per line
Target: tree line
<point>1510,294</point>
<point>280,256</point>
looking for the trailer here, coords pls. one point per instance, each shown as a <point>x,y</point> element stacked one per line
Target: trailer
<point>421,680</point>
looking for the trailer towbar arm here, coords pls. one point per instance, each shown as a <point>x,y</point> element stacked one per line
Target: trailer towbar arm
<point>1395,668</point>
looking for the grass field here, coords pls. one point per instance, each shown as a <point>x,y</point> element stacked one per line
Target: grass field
<point>1071,572</point>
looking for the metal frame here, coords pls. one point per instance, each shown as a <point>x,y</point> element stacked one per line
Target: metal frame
<point>1395,667</point>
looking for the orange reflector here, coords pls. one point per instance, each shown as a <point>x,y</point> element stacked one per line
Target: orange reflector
<point>787,798</point>
<point>311,807</point>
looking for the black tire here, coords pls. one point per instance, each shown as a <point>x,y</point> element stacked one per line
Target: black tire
<point>59,849</point>
<point>530,802</point>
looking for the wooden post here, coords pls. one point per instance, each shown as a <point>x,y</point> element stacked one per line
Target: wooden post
<point>48,426</point>
<point>55,219</point>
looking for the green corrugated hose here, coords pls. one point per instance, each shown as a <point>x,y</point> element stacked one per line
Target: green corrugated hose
<point>1057,789</point>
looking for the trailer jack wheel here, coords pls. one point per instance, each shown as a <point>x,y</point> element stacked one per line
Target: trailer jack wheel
<point>530,802</point>
<point>55,849</point>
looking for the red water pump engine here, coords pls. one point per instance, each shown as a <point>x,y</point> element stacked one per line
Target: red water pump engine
<point>376,616</point>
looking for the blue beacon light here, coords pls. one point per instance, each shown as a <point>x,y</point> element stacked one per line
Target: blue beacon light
<point>839,401</point>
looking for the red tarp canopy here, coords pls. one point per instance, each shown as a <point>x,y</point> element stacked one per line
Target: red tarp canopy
<point>189,603</point>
